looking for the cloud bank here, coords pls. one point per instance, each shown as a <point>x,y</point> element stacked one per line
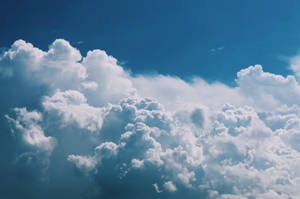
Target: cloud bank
<point>84,127</point>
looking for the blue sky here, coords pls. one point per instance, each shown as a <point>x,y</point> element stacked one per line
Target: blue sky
<point>168,37</point>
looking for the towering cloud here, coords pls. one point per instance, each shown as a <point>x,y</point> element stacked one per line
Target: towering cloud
<point>83,127</point>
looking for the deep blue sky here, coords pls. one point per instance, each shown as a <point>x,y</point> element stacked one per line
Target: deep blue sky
<point>169,37</point>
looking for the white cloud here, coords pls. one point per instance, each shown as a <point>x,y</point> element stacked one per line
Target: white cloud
<point>159,133</point>
<point>170,186</point>
<point>84,163</point>
<point>72,106</point>
<point>267,90</point>
<point>295,65</point>
<point>156,188</point>
<point>113,82</point>
<point>31,132</point>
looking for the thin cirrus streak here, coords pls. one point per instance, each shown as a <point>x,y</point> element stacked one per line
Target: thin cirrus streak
<point>83,127</point>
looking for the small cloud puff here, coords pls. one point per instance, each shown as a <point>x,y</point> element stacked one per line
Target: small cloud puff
<point>170,186</point>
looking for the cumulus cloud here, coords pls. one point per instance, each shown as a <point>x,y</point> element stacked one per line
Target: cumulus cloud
<point>82,162</point>
<point>72,106</point>
<point>103,132</point>
<point>170,186</point>
<point>26,124</point>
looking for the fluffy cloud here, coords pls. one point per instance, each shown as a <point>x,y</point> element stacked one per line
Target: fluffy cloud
<point>26,124</point>
<point>170,186</point>
<point>102,132</point>
<point>72,106</point>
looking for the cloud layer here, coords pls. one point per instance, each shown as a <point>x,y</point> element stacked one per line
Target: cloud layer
<point>83,127</point>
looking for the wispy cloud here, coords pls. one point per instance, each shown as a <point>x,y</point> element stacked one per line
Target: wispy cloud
<point>217,50</point>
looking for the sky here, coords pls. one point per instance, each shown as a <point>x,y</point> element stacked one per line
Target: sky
<point>149,99</point>
<point>211,39</point>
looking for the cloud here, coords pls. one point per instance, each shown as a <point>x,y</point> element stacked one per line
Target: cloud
<point>268,89</point>
<point>82,162</point>
<point>170,186</point>
<point>31,132</point>
<point>72,106</point>
<point>100,131</point>
<point>217,50</point>
<point>295,65</point>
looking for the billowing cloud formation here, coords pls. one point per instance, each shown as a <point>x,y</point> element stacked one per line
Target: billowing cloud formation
<point>83,127</point>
